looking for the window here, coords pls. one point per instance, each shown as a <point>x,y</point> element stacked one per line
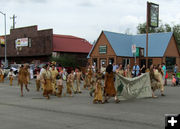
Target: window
<point>126,61</point>
<point>170,62</point>
<point>102,49</point>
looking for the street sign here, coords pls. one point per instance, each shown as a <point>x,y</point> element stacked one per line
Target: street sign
<point>133,48</point>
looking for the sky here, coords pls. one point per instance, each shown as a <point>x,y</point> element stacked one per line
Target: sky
<point>85,18</point>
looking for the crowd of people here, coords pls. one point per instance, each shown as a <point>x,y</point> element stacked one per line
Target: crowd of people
<point>99,82</point>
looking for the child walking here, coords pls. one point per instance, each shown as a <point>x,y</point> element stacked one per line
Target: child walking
<point>38,81</point>
<point>59,86</point>
<point>98,97</point>
<point>11,77</point>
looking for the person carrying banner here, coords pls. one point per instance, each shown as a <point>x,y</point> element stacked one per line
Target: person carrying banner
<point>120,70</point>
<point>109,88</point>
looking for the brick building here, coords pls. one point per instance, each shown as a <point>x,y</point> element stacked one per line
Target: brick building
<point>116,48</point>
<point>38,48</point>
<point>41,45</point>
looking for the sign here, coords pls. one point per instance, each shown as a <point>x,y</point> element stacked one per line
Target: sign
<point>137,51</point>
<point>133,48</point>
<point>153,14</point>
<point>141,52</point>
<point>172,121</point>
<point>22,42</point>
<point>103,49</point>
<point>2,41</point>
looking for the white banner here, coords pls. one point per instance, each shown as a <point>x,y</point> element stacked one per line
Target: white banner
<point>130,88</point>
<point>23,42</point>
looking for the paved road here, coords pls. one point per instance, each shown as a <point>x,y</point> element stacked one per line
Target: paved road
<point>34,112</point>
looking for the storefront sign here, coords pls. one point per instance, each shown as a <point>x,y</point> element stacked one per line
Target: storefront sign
<point>2,41</point>
<point>22,42</point>
<point>137,51</point>
<point>102,49</point>
<point>153,14</point>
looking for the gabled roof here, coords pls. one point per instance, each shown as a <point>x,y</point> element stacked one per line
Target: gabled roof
<point>66,43</point>
<point>121,43</point>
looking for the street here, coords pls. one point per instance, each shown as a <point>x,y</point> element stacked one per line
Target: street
<point>78,112</point>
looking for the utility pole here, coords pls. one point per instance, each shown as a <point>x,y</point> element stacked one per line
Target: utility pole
<point>5,40</point>
<point>14,17</point>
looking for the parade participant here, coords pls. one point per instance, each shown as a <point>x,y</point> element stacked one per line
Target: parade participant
<point>1,74</point>
<point>128,72</point>
<point>69,85</point>
<point>162,72</point>
<point>59,86</point>
<point>11,76</point>
<point>109,88</point>
<point>120,70</point>
<point>85,80</point>
<point>72,78</point>
<point>159,75</point>
<point>78,80</point>
<point>97,75</point>
<point>38,81</point>
<point>28,77</point>
<point>89,77</point>
<point>47,82</point>
<point>23,78</point>
<point>98,97</point>
<point>41,78</point>
<point>155,83</point>
<point>54,74</point>
<point>135,70</point>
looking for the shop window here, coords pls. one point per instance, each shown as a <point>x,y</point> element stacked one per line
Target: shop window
<point>170,62</point>
<point>111,60</point>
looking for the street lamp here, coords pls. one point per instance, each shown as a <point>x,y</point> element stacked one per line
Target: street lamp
<point>5,37</point>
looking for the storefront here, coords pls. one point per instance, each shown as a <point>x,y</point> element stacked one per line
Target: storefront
<point>116,48</point>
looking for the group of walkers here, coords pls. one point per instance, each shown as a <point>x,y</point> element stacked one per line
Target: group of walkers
<point>100,83</point>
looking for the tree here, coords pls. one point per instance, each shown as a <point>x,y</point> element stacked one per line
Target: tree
<point>66,60</point>
<point>141,29</point>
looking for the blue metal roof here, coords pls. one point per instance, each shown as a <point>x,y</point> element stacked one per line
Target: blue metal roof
<point>121,43</point>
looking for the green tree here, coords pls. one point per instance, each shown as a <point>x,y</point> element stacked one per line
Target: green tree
<point>141,29</point>
<point>66,60</point>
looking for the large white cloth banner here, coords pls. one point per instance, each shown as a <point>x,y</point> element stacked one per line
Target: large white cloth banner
<point>130,88</point>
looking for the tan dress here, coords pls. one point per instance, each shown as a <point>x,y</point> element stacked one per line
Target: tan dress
<point>47,77</point>
<point>23,76</point>
<point>154,81</point>
<point>98,93</point>
<point>158,76</point>
<point>109,84</point>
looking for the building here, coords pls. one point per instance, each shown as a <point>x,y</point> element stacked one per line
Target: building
<point>30,45</point>
<point>116,48</point>
<point>71,46</point>
<point>27,45</point>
